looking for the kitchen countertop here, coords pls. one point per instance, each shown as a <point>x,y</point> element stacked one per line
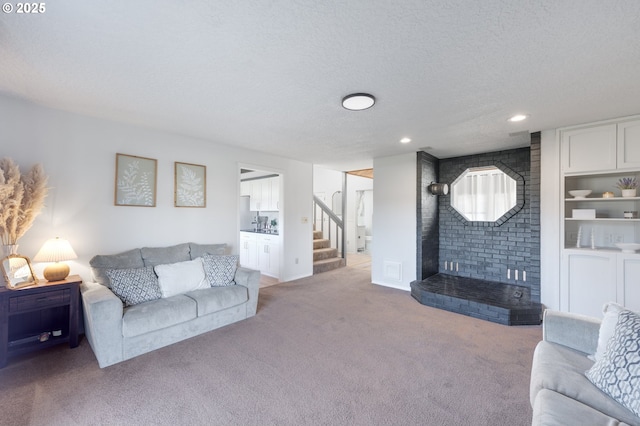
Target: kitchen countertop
<point>254,231</point>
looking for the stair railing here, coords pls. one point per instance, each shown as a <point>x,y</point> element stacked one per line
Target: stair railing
<point>334,225</point>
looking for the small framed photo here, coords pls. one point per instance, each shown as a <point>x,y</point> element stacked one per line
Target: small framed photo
<point>135,181</point>
<point>190,185</point>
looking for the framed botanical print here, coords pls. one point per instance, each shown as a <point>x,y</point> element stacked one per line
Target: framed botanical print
<point>190,188</point>
<point>135,181</point>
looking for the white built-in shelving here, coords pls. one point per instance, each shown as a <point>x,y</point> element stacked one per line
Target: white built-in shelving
<point>593,269</point>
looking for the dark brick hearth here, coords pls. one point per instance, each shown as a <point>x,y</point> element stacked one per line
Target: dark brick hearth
<point>492,301</point>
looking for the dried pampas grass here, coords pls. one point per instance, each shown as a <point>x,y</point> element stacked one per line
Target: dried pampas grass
<point>21,199</point>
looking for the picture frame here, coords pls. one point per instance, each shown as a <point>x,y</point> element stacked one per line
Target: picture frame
<point>135,183</point>
<point>190,188</point>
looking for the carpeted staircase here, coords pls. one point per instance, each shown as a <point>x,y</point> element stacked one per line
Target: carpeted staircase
<point>325,258</point>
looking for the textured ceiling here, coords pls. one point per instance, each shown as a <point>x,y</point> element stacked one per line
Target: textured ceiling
<point>269,75</point>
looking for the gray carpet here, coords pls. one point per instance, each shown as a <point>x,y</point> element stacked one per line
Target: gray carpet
<point>326,350</point>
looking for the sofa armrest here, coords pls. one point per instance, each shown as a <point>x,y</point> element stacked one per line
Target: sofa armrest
<point>103,322</point>
<point>575,331</point>
<point>251,279</point>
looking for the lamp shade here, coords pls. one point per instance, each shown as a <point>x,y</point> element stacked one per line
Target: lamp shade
<point>56,250</point>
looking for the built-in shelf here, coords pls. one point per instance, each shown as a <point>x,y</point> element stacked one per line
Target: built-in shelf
<point>604,219</point>
<point>595,157</point>
<point>600,249</point>
<point>603,199</point>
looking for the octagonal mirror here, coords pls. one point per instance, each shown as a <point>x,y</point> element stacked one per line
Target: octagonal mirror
<point>483,194</point>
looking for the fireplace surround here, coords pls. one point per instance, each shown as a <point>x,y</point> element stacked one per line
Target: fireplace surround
<point>480,252</point>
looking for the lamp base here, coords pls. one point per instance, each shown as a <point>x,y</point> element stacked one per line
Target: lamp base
<point>56,271</point>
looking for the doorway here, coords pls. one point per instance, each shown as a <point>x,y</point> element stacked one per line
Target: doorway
<point>363,225</point>
<point>364,221</point>
<point>259,222</point>
<point>328,186</point>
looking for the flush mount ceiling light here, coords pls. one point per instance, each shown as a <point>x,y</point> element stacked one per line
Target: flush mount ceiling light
<point>358,101</point>
<point>405,140</point>
<point>518,117</point>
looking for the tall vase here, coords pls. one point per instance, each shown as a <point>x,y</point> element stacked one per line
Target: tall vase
<point>9,249</point>
<point>628,192</point>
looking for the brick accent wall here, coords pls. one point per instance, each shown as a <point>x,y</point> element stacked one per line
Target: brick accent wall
<point>481,251</point>
<point>428,239</point>
<point>534,199</point>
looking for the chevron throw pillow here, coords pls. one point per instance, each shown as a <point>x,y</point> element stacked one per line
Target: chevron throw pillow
<point>135,285</point>
<point>617,373</point>
<point>220,270</point>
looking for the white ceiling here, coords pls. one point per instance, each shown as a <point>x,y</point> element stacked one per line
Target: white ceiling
<point>270,75</point>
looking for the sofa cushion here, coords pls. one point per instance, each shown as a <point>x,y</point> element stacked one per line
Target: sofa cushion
<point>199,250</point>
<point>607,327</point>
<point>134,285</point>
<point>560,369</point>
<point>153,256</point>
<point>215,299</point>
<point>554,409</point>
<point>157,314</point>
<point>100,263</point>
<point>617,373</point>
<point>181,277</point>
<point>220,270</point>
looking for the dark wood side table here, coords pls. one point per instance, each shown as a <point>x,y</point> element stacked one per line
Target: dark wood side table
<point>38,317</point>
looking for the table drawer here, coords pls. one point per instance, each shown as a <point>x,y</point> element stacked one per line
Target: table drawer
<point>39,300</point>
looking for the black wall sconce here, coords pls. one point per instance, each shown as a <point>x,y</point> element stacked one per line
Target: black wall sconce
<point>438,188</point>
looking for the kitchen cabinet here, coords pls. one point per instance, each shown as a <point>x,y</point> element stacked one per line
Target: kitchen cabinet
<point>589,149</point>
<point>255,199</point>
<point>275,193</point>
<point>607,147</point>
<point>629,280</point>
<point>629,145</point>
<point>270,194</point>
<point>589,281</point>
<point>269,254</point>
<point>264,193</point>
<point>261,252</point>
<point>593,278</point>
<point>248,250</point>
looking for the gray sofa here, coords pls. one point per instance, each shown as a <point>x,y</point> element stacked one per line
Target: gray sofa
<point>560,392</point>
<point>117,332</point>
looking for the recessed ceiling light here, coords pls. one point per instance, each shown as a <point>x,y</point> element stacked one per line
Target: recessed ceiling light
<point>405,140</point>
<point>518,117</point>
<point>358,101</point>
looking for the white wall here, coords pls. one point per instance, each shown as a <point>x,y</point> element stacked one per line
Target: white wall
<point>394,221</point>
<point>326,182</point>
<point>297,219</point>
<point>78,155</point>
<point>550,220</point>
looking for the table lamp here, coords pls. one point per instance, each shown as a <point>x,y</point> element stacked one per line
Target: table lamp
<point>56,250</point>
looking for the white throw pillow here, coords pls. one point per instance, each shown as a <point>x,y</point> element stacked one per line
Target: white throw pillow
<point>181,277</point>
<point>611,311</point>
